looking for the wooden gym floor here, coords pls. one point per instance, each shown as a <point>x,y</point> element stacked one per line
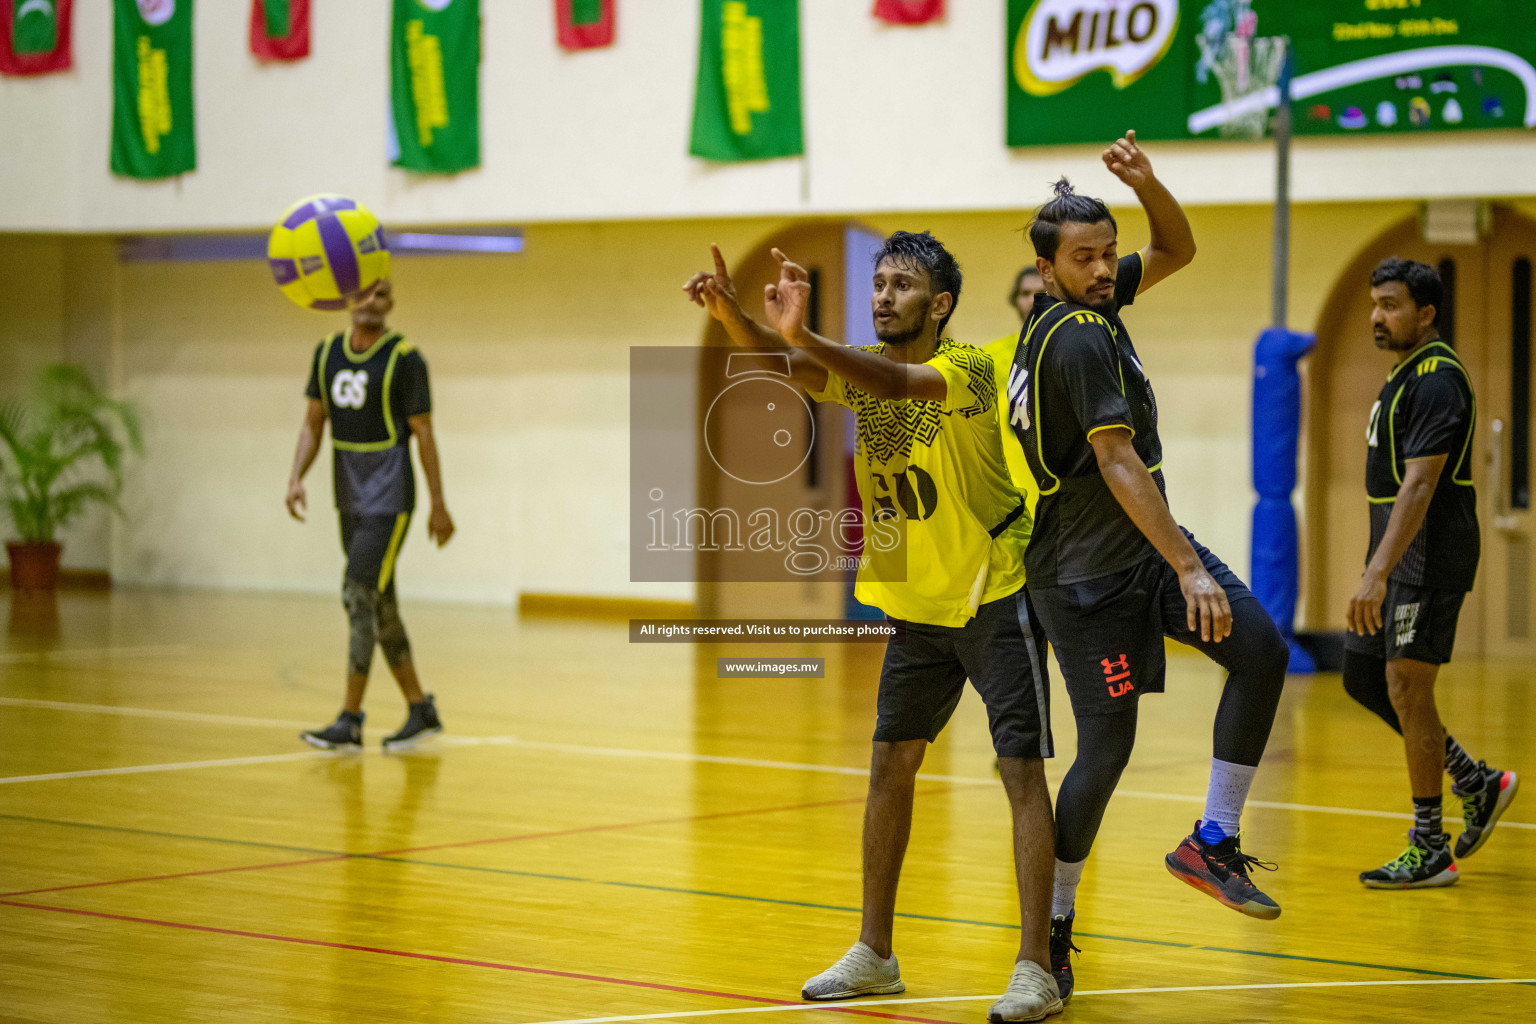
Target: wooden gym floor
<point>609,833</point>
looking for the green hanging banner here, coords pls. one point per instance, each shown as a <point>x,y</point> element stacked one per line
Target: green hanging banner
<point>435,85</point>
<point>153,133</point>
<point>747,102</point>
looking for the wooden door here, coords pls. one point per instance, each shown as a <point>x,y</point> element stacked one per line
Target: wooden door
<point>1504,498</point>
<point>743,405</point>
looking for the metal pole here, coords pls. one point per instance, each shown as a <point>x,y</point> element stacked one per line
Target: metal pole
<point>1282,241</point>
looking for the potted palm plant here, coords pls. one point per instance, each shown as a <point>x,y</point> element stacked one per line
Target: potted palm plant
<point>59,453</point>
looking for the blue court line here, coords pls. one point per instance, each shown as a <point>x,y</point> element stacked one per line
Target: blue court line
<point>729,896</point>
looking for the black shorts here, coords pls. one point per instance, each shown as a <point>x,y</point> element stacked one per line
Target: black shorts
<point>1416,622</point>
<point>1108,632</point>
<point>1001,650</point>
<point>372,543</point>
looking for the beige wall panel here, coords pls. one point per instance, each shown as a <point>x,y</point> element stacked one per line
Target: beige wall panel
<point>530,375</point>
<point>530,370</point>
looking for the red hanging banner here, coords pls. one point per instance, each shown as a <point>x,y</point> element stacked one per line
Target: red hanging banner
<point>909,12</point>
<point>280,29</point>
<point>34,36</point>
<point>584,24</point>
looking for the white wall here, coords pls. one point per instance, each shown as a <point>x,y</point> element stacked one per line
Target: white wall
<point>896,119</point>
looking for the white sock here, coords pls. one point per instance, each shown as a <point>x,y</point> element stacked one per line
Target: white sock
<point>1229,791</point>
<point>1064,890</point>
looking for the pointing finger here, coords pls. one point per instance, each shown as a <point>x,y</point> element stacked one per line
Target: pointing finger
<point>720,268</point>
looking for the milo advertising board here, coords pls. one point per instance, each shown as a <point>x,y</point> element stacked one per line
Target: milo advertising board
<point>1086,70</point>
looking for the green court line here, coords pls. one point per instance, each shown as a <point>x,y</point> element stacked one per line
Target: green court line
<point>729,896</point>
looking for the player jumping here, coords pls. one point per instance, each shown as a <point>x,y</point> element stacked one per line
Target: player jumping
<point>1111,572</point>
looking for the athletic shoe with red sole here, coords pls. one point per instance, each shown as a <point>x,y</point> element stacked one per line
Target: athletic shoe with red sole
<point>1481,810</point>
<point>1220,870</point>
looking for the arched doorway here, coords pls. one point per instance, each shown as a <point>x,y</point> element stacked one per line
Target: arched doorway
<point>748,583</point>
<point>1487,319</point>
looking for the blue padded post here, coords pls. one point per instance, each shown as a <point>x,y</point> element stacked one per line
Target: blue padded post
<point>1276,440</point>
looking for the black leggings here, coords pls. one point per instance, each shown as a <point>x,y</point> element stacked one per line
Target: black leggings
<point>1255,657</point>
<point>1365,679</point>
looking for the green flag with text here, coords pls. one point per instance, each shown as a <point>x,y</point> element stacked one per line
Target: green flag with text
<point>153,135</point>
<point>435,85</point>
<point>747,102</point>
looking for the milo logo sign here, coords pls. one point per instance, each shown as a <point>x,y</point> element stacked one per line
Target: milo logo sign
<point>1060,41</point>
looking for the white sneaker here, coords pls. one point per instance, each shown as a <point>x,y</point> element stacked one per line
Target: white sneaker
<point>861,972</point>
<point>1031,995</point>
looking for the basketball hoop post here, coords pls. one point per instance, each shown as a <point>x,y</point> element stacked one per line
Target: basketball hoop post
<point>1282,240</point>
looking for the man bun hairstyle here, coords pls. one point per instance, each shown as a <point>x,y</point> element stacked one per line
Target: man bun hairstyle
<point>923,252</point>
<point>1066,208</point>
<point>1421,280</point>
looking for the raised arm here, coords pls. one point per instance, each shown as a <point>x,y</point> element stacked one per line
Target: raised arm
<point>716,293</point>
<point>310,432</point>
<point>1419,479</point>
<point>867,371</point>
<point>1205,603</point>
<point>1173,243</point>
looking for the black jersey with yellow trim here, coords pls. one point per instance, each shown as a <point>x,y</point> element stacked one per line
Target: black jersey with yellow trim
<point>1075,373</point>
<point>369,397</point>
<point>1427,408</point>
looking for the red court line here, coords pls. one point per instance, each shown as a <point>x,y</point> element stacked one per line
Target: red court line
<point>444,846</point>
<point>491,964</point>
<point>182,874</point>
<point>632,824</point>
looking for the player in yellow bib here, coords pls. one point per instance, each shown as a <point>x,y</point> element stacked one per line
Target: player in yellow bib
<point>930,471</point>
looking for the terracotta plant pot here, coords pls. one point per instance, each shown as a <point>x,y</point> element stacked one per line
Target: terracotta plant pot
<point>34,566</point>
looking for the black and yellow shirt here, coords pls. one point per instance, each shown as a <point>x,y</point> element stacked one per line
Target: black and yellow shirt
<point>368,397</point>
<point>1074,373</point>
<point>1427,408</point>
<point>932,476</point>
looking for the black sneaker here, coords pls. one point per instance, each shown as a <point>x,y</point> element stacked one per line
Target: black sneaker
<point>344,733</point>
<point>1426,864</point>
<point>1480,811</point>
<point>1220,870</point>
<point>1061,953</point>
<point>422,721</point>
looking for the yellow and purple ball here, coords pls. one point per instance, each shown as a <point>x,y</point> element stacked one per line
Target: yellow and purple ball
<point>325,250</point>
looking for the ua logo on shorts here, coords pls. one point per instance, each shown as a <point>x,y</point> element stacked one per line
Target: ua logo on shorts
<point>350,389</point>
<point>1114,672</point>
